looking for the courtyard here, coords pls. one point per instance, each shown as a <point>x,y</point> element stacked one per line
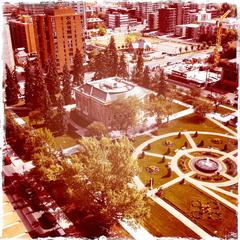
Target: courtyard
<point>178,188</point>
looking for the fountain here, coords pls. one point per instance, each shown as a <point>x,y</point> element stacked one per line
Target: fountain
<point>206,165</point>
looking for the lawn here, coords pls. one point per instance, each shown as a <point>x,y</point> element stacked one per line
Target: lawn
<point>233,188</point>
<point>163,224</point>
<point>230,199</point>
<point>160,177</point>
<point>177,108</point>
<point>140,139</point>
<point>208,141</point>
<point>224,111</point>
<point>189,123</point>
<point>182,195</point>
<point>65,141</point>
<point>175,143</point>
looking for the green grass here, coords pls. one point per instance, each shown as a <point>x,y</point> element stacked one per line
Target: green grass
<point>163,224</point>
<point>159,147</point>
<point>65,141</point>
<point>228,198</point>
<point>177,107</point>
<point>189,123</point>
<point>228,188</point>
<point>182,195</point>
<point>160,177</point>
<point>207,139</point>
<point>140,139</point>
<point>224,111</point>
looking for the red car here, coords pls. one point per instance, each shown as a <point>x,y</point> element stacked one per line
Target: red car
<point>7,160</point>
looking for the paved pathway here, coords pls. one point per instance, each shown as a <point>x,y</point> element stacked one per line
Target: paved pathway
<point>229,108</point>
<point>222,126</point>
<point>190,140</point>
<point>222,191</point>
<point>138,233</point>
<point>157,155</point>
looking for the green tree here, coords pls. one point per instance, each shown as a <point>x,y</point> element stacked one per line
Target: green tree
<point>104,194</point>
<point>124,113</point>
<point>112,58</point>
<point>52,80</point>
<point>180,50</point>
<point>100,66</point>
<point>155,106</point>
<point>78,69</point>
<point>29,83</point>
<point>66,83</point>
<point>160,84</point>
<point>218,101</point>
<point>12,87</point>
<point>38,141</point>
<point>102,30</point>
<point>129,40</point>
<point>201,108</point>
<point>122,67</point>
<point>195,92</point>
<point>138,73</point>
<point>40,96</point>
<point>61,116</point>
<point>96,129</point>
<point>146,77</point>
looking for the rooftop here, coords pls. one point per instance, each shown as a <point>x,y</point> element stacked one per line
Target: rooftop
<point>109,89</point>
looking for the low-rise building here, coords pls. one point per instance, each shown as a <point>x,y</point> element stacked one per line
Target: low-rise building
<point>93,99</point>
<point>93,23</point>
<point>118,20</point>
<point>140,44</point>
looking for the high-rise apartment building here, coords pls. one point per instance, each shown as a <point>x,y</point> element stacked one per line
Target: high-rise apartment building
<point>182,13</point>
<point>7,46</point>
<point>153,21</point>
<point>167,20</point>
<point>56,34</point>
<point>64,35</point>
<point>22,33</point>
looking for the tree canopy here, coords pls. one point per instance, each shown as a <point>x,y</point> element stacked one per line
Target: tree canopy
<point>102,174</point>
<point>125,113</point>
<point>78,70</point>
<point>52,80</point>
<point>96,129</point>
<point>11,87</point>
<point>122,67</point>
<point>67,85</point>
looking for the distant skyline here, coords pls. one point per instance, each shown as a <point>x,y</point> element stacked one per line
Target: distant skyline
<point>101,1</point>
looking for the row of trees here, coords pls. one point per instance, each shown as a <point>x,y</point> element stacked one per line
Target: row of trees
<point>41,91</point>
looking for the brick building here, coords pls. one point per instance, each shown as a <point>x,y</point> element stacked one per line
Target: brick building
<point>153,21</point>
<point>167,20</point>
<point>56,34</point>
